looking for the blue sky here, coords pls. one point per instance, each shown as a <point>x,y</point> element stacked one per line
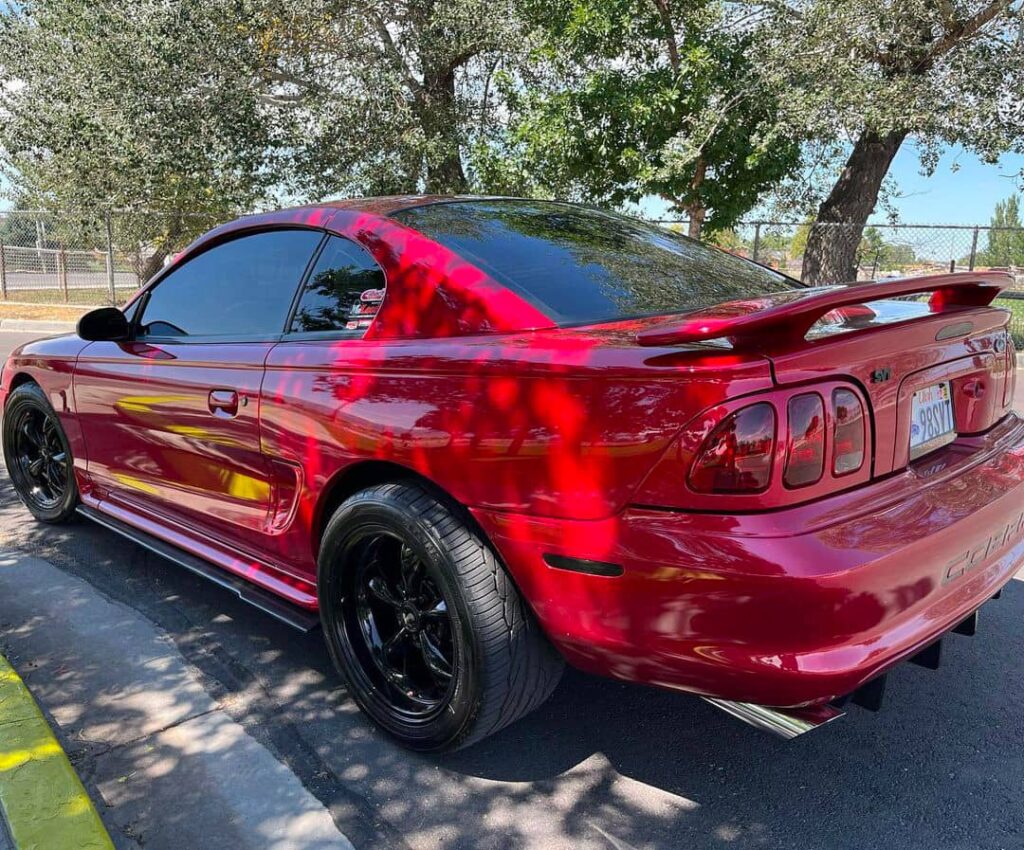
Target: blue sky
<point>966,195</point>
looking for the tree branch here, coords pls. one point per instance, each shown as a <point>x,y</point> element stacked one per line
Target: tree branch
<point>670,33</point>
<point>962,31</point>
<point>396,56</point>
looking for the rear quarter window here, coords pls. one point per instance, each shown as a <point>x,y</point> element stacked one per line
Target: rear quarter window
<point>581,265</point>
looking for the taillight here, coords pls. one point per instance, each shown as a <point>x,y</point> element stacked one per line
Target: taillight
<point>805,449</point>
<point>848,432</point>
<point>737,456</point>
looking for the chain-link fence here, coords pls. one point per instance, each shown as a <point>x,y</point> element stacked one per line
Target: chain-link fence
<point>102,257</point>
<point>87,259</point>
<point>885,251</point>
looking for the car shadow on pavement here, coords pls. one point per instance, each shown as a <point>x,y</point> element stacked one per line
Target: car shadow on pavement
<point>601,765</point>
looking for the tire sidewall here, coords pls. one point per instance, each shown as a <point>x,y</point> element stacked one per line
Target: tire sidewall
<point>373,511</point>
<point>31,396</point>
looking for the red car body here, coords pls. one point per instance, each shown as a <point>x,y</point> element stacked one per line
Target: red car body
<point>573,449</point>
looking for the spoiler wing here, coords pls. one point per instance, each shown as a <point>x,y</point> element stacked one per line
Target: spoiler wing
<point>785,321</point>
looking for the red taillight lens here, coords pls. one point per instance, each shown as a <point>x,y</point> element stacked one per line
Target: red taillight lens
<point>805,451</point>
<point>737,456</point>
<point>848,432</point>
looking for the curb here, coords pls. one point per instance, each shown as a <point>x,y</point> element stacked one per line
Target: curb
<point>42,799</point>
<point>37,325</point>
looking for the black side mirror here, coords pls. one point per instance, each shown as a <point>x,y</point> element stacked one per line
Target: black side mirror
<point>105,324</point>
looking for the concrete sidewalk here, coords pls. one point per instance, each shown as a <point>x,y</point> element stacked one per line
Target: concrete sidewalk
<point>167,765</point>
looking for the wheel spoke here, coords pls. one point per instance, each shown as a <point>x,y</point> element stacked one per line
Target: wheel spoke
<point>380,590</point>
<point>437,611</point>
<point>35,467</point>
<point>29,432</point>
<point>439,666</point>
<point>412,571</point>
<point>399,637</point>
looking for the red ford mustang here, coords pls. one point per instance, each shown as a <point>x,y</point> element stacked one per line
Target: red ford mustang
<point>475,437</point>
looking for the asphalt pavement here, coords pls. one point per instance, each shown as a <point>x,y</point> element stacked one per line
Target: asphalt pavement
<point>189,713</point>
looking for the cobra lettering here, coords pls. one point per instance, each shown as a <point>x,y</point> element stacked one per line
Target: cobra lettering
<point>974,556</point>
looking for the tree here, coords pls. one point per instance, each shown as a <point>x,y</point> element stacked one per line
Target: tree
<point>1006,238</point>
<point>385,96</point>
<point>144,105</point>
<point>875,72</point>
<point>628,98</point>
<point>875,253</point>
<point>217,106</point>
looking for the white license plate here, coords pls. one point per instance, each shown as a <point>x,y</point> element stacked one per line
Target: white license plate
<point>931,419</point>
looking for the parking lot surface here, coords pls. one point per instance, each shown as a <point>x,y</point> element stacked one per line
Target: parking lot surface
<point>154,678</point>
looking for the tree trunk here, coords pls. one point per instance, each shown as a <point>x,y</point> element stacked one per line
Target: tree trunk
<point>440,122</point>
<point>696,211</point>
<point>831,253</point>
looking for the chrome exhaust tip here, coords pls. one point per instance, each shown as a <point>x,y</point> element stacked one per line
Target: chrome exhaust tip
<point>786,723</point>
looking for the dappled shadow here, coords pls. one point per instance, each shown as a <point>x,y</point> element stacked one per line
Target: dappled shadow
<point>601,765</point>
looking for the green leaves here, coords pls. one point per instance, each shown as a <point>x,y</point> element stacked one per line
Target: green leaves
<point>637,97</point>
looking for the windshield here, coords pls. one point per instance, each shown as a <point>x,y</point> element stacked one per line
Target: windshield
<point>582,265</point>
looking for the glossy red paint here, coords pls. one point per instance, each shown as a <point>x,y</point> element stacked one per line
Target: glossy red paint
<point>579,442</point>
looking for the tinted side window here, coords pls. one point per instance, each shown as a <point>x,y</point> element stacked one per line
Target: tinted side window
<point>343,292</point>
<point>242,287</point>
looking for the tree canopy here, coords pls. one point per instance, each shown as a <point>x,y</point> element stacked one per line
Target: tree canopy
<point>871,74</point>
<point>631,98</point>
<point>225,105</point>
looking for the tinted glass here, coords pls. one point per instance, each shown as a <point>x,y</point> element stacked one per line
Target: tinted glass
<point>243,287</point>
<point>584,265</point>
<point>343,292</point>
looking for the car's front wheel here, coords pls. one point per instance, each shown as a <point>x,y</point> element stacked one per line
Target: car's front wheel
<point>38,456</point>
<point>429,631</point>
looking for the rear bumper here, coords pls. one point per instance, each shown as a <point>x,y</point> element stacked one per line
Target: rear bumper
<point>787,608</point>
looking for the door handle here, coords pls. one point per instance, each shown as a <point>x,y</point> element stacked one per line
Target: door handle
<point>223,402</point>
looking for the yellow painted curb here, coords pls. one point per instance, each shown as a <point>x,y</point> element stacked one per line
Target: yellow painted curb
<point>43,801</point>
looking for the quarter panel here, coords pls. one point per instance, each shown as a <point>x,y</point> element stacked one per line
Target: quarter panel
<point>549,423</point>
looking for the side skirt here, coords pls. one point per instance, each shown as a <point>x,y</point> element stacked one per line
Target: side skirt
<point>275,606</point>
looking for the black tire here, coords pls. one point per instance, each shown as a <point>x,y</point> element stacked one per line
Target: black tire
<point>38,456</point>
<point>501,665</point>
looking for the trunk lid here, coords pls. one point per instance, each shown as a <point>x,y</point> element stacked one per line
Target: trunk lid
<point>891,349</point>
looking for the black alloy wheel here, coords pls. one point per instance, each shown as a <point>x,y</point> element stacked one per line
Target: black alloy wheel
<point>399,625</point>
<point>37,455</point>
<point>422,620</point>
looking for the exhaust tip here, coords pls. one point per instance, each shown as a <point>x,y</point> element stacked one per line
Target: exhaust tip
<point>786,723</point>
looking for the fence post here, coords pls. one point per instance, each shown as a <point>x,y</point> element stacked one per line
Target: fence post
<point>974,250</point>
<point>110,259</point>
<point>62,272</point>
<point>757,241</point>
<point>3,273</point>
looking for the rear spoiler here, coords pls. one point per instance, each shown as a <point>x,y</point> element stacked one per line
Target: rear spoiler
<point>786,318</point>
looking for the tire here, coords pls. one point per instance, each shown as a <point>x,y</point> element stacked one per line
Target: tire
<point>38,456</point>
<point>499,665</point>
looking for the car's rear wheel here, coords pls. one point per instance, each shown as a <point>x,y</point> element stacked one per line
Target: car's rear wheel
<point>429,631</point>
<point>38,456</point>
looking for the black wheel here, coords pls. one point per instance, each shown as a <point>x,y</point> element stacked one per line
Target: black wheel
<point>423,622</point>
<point>37,455</point>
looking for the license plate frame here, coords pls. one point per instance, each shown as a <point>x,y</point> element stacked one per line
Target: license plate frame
<point>931,419</point>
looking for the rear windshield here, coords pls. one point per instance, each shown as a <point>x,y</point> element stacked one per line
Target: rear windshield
<point>581,265</point>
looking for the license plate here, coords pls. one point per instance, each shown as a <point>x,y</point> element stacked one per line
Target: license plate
<point>931,419</point>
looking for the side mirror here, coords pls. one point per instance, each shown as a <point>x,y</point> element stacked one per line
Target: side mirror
<point>105,324</point>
